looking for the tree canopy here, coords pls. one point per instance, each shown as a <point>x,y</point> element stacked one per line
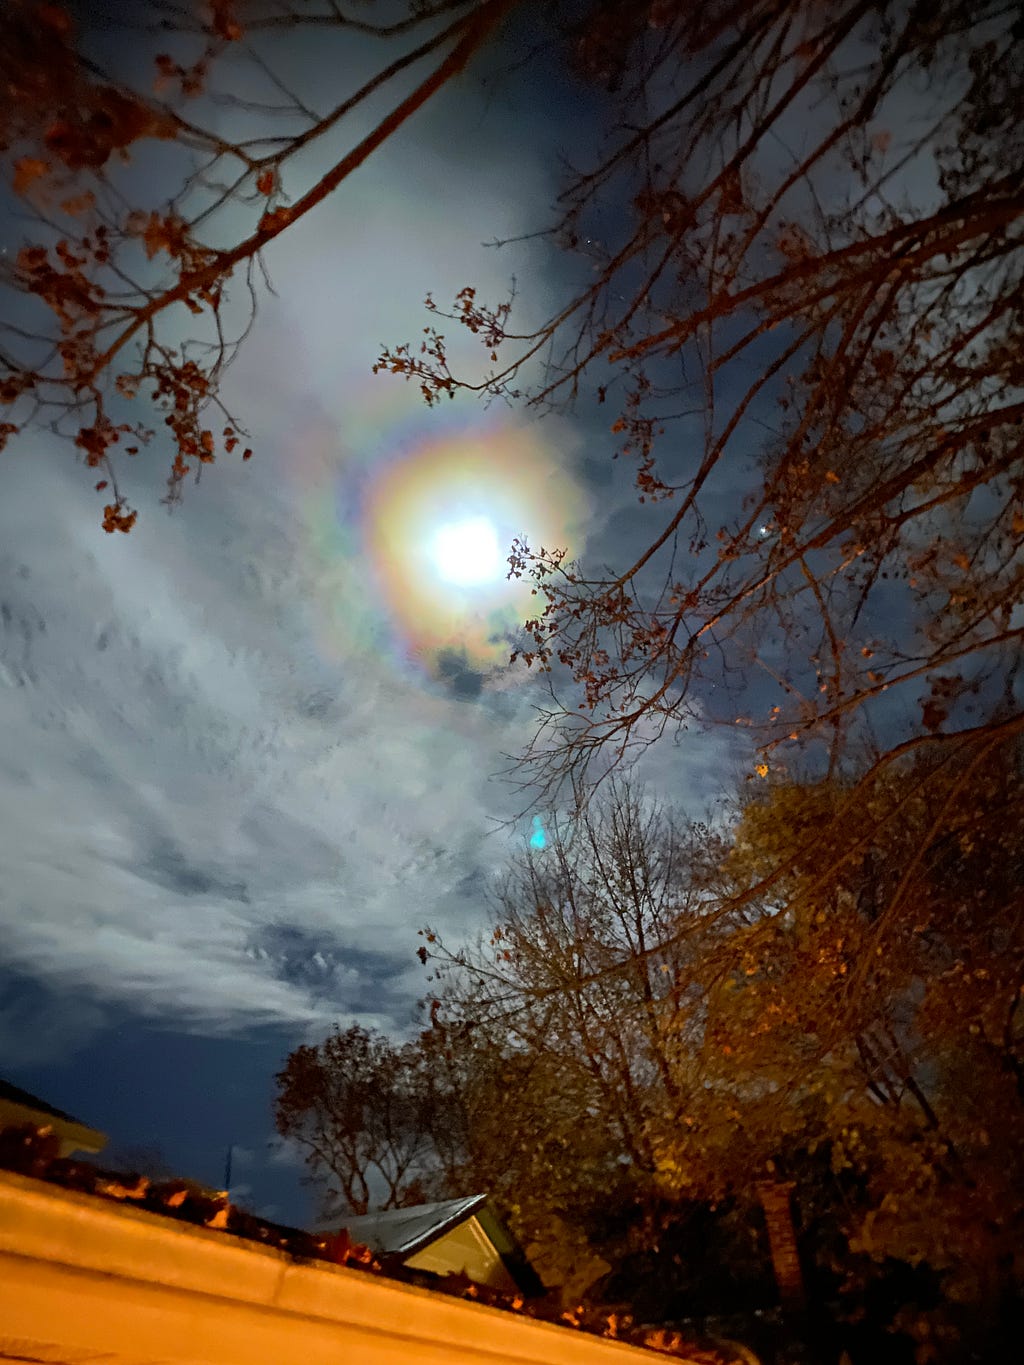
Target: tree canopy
<point>667,1018</point>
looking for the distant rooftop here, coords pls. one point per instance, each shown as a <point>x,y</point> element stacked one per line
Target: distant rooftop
<point>402,1232</point>
<point>430,1237</point>
<point>19,1107</point>
<point>16,1095</point>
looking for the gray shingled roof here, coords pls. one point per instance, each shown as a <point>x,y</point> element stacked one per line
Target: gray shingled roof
<point>402,1232</point>
<point>395,1235</point>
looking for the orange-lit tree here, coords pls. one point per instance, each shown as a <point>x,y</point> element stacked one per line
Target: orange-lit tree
<point>571,1010</point>
<point>828,991</point>
<point>559,1047</point>
<point>876,1018</point>
<point>665,1016</point>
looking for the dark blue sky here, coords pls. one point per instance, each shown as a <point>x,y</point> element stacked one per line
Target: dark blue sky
<point>181,1098</point>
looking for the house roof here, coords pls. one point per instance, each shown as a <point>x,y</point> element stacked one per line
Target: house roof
<point>403,1232</point>
<point>148,1286</point>
<point>396,1235</point>
<point>18,1107</point>
<point>16,1095</point>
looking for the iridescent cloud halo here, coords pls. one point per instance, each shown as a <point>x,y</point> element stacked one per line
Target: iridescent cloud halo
<point>438,520</point>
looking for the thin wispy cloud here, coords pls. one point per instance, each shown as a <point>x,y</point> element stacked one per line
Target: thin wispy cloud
<point>228,798</point>
<point>208,817</point>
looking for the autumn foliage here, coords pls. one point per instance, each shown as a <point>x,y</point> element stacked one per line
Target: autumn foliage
<point>667,1018</point>
<point>807,319</point>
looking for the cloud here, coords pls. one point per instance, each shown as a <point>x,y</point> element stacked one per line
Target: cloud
<point>205,818</point>
<point>209,818</point>
<point>195,824</point>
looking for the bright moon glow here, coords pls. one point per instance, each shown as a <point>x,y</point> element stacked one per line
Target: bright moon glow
<point>436,520</point>
<point>467,553</point>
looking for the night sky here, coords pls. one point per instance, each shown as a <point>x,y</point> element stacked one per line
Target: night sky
<point>249,749</point>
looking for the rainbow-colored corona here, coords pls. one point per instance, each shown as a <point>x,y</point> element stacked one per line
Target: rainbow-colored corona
<point>379,510</point>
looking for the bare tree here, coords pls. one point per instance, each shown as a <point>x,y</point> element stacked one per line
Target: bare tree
<point>807,291</point>
<point>582,1003</point>
<point>364,1111</point>
<point>804,236</point>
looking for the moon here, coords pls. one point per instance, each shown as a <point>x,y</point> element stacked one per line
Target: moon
<point>466,553</point>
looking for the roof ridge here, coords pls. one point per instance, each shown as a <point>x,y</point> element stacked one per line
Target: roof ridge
<point>14,1093</point>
